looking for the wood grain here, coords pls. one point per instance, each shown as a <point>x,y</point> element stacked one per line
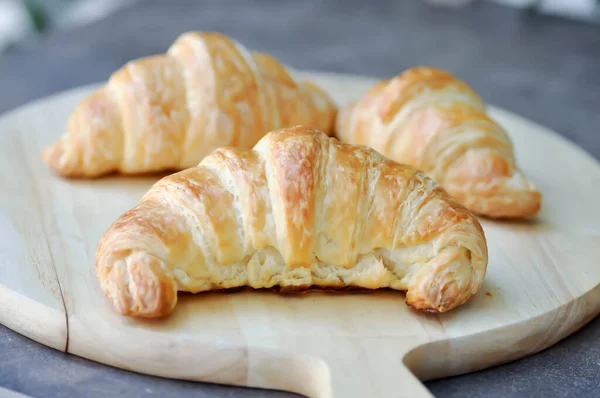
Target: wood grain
<point>30,297</point>
<point>543,282</point>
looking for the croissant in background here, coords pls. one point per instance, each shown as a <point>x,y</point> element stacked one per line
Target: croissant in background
<point>429,119</point>
<point>299,210</point>
<point>168,111</point>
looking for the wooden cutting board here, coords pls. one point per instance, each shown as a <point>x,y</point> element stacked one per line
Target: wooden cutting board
<point>543,281</point>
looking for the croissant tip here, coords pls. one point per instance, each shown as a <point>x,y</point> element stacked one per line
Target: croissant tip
<point>514,197</point>
<point>52,154</point>
<point>429,308</point>
<point>519,205</point>
<point>55,158</point>
<point>137,285</point>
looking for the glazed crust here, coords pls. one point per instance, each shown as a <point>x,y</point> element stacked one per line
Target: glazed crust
<point>168,111</point>
<point>299,210</point>
<point>427,118</point>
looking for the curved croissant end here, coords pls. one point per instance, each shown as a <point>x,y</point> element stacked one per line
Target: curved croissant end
<point>429,119</point>
<point>298,210</point>
<point>168,111</point>
<point>137,285</point>
<point>487,184</point>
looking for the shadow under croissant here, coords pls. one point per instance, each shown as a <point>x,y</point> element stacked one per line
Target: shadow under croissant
<point>117,176</point>
<point>536,224</point>
<point>292,290</point>
<point>299,291</point>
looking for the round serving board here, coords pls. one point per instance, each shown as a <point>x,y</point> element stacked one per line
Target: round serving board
<point>543,281</point>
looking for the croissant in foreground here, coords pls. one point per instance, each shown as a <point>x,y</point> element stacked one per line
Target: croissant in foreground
<point>168,111</point>
<point>299,210</point>
<point>429,119</point>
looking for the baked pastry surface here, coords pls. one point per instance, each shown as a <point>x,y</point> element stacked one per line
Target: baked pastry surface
<point>168,111</point>
<point>428,118</point>
<point>300,209</point>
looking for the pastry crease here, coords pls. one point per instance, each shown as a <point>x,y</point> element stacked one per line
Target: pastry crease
<point>168,111</point>
<point>429,119</point>
<point>299,210</point>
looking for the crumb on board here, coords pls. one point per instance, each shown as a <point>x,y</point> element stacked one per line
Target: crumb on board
<point>488,294</point>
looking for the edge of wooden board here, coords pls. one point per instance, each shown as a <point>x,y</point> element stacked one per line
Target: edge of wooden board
<point>33,319</point>
<point>514,341</point>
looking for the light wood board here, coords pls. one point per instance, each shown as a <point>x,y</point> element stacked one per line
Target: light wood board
<point>543,281</point>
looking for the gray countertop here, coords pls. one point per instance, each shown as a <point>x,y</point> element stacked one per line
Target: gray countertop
<point>544,68</point>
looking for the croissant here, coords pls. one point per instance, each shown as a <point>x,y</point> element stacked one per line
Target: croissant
<point>300,209</point>
<point>168,111</point>
<point>427,118</point>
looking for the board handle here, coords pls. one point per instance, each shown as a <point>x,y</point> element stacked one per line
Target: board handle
<point>400,382</point>
<point>391,378</point>
<point>314,366</point>
<point>278,370</point>
<point>403,383</point>
<point>315,378</point>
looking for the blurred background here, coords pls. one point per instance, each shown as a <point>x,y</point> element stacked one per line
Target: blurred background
<point>23,20</point>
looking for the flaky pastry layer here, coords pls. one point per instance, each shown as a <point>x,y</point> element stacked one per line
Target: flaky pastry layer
<point>168,111</point>
<point>299,210</point>
<point>427,118</point>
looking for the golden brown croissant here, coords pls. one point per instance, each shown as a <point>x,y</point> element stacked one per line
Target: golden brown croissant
<point>168,111</point>
<point>429,119</point>
<point>299,210</point>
